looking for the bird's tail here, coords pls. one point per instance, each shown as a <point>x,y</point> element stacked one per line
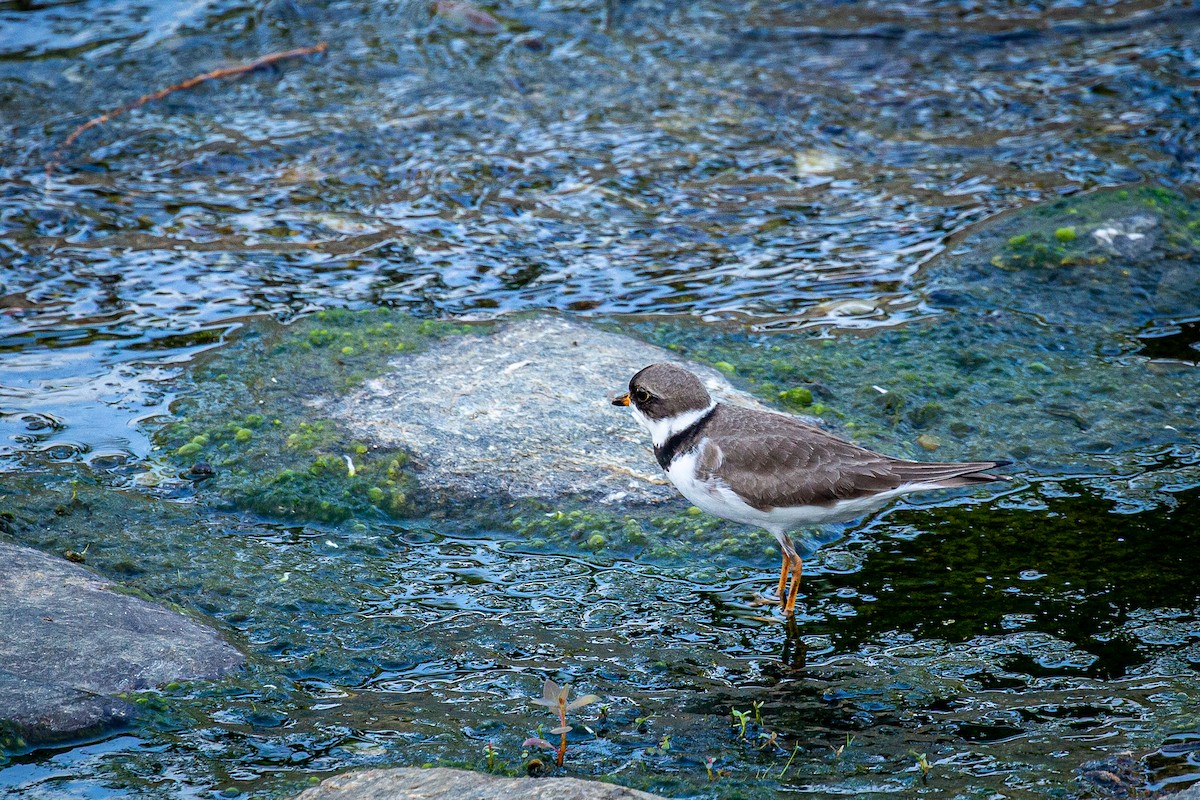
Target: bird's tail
<point>949,475</point>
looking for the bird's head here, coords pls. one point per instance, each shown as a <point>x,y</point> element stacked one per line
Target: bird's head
<point>662,393</point>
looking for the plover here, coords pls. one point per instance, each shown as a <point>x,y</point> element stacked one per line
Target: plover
<point>771,470</point>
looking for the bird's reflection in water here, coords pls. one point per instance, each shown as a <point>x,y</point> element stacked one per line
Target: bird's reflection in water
<point>794,654</point>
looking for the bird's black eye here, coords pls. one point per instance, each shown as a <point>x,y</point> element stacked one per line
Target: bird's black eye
<point>641,395</point>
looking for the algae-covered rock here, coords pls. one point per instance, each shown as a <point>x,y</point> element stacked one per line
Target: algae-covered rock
<point>427,417</point>
<point>1047,349</point>
<point>70,643</point>
<point>1190,793</point>
<point>523,412</point>
<point>1115,257</point>
<point>245,435</point>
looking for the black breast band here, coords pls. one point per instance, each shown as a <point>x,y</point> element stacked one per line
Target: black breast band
<point>680,442</point>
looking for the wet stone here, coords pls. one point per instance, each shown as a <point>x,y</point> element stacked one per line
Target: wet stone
<point>524,412</point>
<point>1109,260</point>
<point>70,643</point>
<point>454,784</point>
<point>1133,238</point>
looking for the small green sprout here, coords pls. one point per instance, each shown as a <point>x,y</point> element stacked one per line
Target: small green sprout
<point>555,696</point>
<point>77,557</point>
<point>1066,234</point>
<point>741,718</point>
<point>783,773</point>
<point>490,751</point>
<point>922,764</point>
<point>757,706</point>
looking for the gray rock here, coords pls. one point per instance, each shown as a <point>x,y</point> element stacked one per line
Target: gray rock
<point>1178,290</point>
<point>1190,793</point>
<point>69,642</point>
<point>523,412</point>
<point>32,711</point>
<point>455,784</point>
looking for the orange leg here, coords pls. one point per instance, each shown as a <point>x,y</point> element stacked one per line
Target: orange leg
<point>781,597</point>
<point>783,576</point>
<point>789,608</point>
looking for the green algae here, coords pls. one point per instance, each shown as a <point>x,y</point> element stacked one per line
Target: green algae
<point>11,740</point>
<point>667,537</point>
<point>246,417</point>
<point>798,397</point>
<point>1051,405</point>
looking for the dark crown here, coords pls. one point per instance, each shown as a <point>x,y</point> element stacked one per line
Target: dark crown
<point>665,390</point>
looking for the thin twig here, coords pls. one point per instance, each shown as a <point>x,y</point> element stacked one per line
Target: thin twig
<point>225,72</point>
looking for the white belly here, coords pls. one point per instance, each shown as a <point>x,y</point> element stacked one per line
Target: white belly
<point>719,500</point>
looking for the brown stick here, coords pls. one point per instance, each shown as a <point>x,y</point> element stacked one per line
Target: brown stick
<point>225,72</point>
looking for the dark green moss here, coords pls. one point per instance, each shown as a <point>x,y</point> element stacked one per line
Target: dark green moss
<point>11,740</point>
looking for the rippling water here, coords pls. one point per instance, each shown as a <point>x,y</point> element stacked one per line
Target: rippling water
<point>728,160</point>
<point>774,165</point>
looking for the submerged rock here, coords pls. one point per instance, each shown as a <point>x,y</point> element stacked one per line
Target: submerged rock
<point>1111,260</point>
<point>1133,237</point>
<point>456,784</point>
<point>69,643</point>
<point>523,412</point>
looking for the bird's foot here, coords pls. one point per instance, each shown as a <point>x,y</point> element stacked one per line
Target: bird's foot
<point>758,600</point>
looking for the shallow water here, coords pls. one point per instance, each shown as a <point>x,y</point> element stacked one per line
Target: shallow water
<point>708,159</point>
<point>1010,641</point>
<point>771,167</point>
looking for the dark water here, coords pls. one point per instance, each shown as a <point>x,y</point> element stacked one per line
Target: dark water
<point>773,167</point>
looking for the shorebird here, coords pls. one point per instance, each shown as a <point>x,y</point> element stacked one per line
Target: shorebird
<point>771,470</point>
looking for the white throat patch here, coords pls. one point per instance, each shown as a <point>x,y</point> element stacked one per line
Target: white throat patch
<point>663,429</point>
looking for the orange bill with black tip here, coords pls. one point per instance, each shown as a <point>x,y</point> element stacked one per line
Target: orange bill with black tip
<point>623,400</point>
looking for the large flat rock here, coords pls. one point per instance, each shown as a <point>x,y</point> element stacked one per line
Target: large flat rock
<point>69,643</point>
<point>456,784</point>
<point>523,412</point>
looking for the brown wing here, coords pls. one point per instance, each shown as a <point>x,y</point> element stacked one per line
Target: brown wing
<point>775,461</point>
